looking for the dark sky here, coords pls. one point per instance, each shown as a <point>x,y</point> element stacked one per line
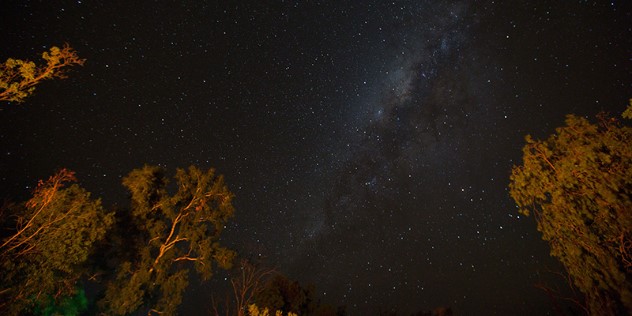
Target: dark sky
<point>369,143</point>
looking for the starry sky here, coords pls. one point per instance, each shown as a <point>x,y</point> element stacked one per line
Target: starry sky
<point>369,143</point>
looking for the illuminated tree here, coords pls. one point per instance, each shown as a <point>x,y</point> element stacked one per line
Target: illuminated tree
<point>246,285</point>
<point>577,184</point>
<point>169,233</point>
<point>254,310</point>
<point>49,239</point>
<point>18,78</point>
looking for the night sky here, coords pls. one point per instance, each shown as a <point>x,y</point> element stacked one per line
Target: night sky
<point>369,143</point>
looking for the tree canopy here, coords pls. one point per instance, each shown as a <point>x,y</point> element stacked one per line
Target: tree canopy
<point>577,184</point>
<point>18,78</point>
<point>168,232</point>
<point>48,241</point>
<point>61,238</point>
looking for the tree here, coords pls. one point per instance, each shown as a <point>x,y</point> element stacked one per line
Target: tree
<point>577,184</point>
<point>254,310</point>
<point>68,306</point>
<point>170,233</point>
<point>18,78</point>
<point>281,293</point>
<point>48,241</point>
<point>285,295</point>
<point>246,285</point>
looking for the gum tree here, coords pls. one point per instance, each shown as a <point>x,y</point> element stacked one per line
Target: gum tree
<point>18,78</point>
<point>577,184</point>
<point>167,234</point>
<point>48,241</point>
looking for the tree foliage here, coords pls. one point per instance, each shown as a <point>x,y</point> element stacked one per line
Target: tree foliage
<point>68,306</point>
<point>18,78</point>
<point>56,241</point>
<point>577,184</point>
<point>254,310</point>
<point>285,295</point>
<point>170,233</point>
<point>48,241</point>
<point>281,293</point>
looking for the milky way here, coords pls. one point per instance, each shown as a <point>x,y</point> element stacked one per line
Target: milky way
<point>381,216</point>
